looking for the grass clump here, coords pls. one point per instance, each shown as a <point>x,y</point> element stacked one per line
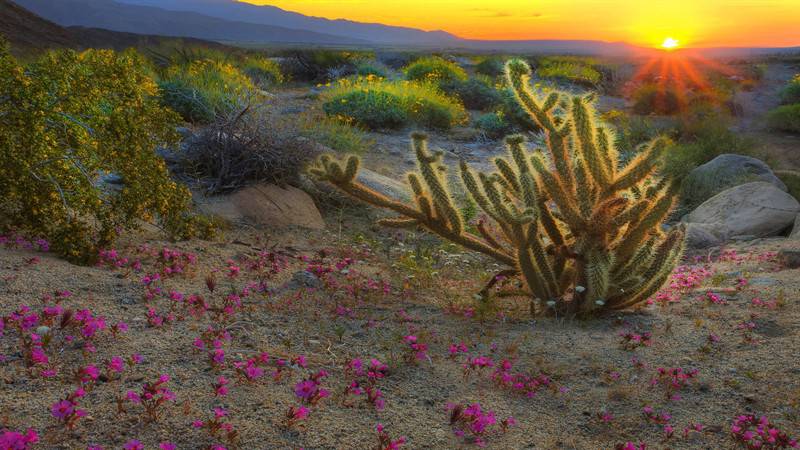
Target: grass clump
<point>569,69</point>
<point>494,125</point>
<point>78,133</point>
<point>651,98</point>
<point>491,67</point>
<point>435,69</point>
<point>201,90</point>
<point>380,104</point>
<point>785,118</point>
<point>476,93</point>
<point>263,72</point>
<point>336,134</point>
<point>790,94</point>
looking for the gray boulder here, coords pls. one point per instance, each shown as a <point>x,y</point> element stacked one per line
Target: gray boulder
<point>724,172</point>
<point>390,187</point>
<point>757,209</point>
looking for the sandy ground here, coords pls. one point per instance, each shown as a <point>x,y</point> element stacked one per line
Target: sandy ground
<point>591,371</point>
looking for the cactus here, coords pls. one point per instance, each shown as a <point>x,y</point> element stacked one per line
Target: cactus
<point>581,231</point>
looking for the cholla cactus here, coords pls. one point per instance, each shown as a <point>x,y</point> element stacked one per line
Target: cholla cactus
<point>581,231</point>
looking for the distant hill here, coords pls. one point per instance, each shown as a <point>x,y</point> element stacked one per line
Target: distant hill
<point>27,32</point>
<point>274,16</point>
<point>112,15</point>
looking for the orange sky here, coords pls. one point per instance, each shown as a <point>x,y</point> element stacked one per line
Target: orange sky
<point>699,23</point>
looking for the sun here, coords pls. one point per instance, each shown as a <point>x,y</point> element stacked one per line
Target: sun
<point>669,44</point>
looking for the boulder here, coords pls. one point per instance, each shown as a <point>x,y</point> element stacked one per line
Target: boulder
<point>757,209</point>
<point>700,235</point>
<point>795,233</point>
<point>265,205</point>
<point>724,172</point>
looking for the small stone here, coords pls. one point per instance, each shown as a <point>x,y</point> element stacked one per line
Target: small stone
<point>789,258</point>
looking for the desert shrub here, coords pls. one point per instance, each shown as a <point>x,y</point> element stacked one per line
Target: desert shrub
<point>318,65</point>
<point>434,69</point>
<point>580,232</point>
<point>476,93</point>
<point>263,72</point>
<point>494,125</point>
<point>374,68</point>
<point>491,67</point>
<point>67,122</point>
<point>376,104</point>
<point>245,146</point>
<point>336,134</point>
<point>631,132</point>
<point>785,118</point>
<point>396,59</point>
<point>702,135</point>
<point>204,89</point>
<point>791,178</point>
<point>569,69</point>
<point>513,113</point>
<point>651,98</point>
<point>791,92</point>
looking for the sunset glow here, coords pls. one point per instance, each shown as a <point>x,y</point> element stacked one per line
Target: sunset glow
<point>693,23</point>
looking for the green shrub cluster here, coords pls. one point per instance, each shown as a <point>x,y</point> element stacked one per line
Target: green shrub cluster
<point>790,94</point>
<point>571,69</point>
<point>651,98</point>
<point>434,69</point>
<point>374,68</point>
<point>319,65</point>
<point>477,93</point>
<point>204,89</point>
<point>336,134</point>
<point>67,121</point>
<point>785,118</point>
<point>263,72</point>
<point>380,104</point>
<point>494,125</point>
<point>490,67</point>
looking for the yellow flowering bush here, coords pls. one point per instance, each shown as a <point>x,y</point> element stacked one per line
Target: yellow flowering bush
<point>67,122</point>
<point>434,70</point>
<point>376,103</point>
<point>203,89</point>
<point>263,72</point>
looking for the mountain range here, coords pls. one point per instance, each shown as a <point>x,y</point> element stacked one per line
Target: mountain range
<point>236,22</point>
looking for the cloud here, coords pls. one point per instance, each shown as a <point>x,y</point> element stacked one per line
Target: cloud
<point>494,13</point>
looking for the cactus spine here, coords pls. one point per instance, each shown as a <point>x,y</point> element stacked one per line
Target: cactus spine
<point>581,231</point>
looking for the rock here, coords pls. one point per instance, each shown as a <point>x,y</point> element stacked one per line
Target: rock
<point>389,187</point>
<point>265,205</point>
<point>724,172</point>
<point>795,233</point>
<point>789,258</point>
<point>700,235</point>
<point>303,279</point>
<point>758,209</point>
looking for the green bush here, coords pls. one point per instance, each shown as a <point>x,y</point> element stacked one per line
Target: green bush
<point>785,118</point>
<point>263,72</point>
<point>335,134</point>
<point>631,132</point>
<point>476,93</point>
<point>513,112</point>
<point>490,67</point>
<point>366,68</point>
<point>376,104</point>
<point>318,65</point>
<point>204,89</point>
<point>569,69</point>
<point>66,121</point>
<point>494,125</point>
<point>791,178</point>
<point>434,69</point>
<point>651,98</point>
<point>791,92</point>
